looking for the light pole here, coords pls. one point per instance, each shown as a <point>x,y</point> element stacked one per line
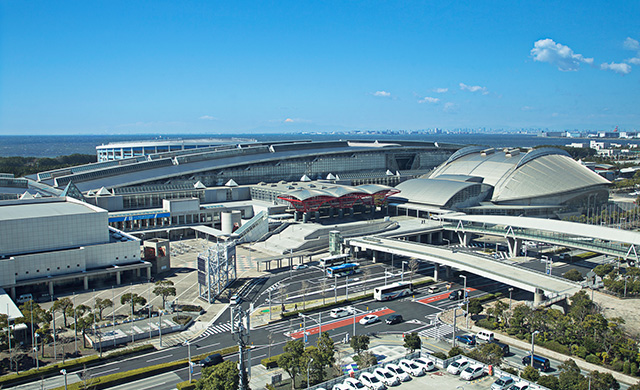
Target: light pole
<point>335,290</point>
<point>402,276</point>
<point>466,299</point>
<point>190,364</point>
<point>354,321</point>
<point>533,335</point>
<point>510,291</point>
<point>35,351</point>
<point>308,373</point>
<point>64,372</point>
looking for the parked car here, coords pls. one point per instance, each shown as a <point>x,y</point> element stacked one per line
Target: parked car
<point>341,312</point>
<point>368,319</point>
<point>353,384</point>
<point>520,386</point>
<point>457,367</point>
<point>371,381</point>
<point>400,373</point>
<point>211,360</point>
<point>472,372</point>
<point>467,339</point>
<point>340,386</point>
<point>411,367</point>
<point>456,294</point>
<point>485,335</point>
<point>235,300</point>
<point>502,383</point>
<point>394,319</point>
<point>386,376</point>
<point>425,363</point>
<point>433,289</point>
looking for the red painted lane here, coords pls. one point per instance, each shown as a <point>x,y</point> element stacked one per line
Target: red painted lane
<point>440,297</point>
<point>339,323</point>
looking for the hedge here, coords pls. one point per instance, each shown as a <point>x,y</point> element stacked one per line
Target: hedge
<point>107,381</point>
<point>54,369</point>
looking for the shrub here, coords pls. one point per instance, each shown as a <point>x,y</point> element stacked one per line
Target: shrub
<point>271,362</point>
<point>549,381</point>
<point>618,365</point>
<point>593,359</point>
<point>626,368</point>
<point>557,347</point>
<point>487,324</point>
<point>440,355</point>
<point>510,370</point>
<point>633,369</point>
<point>182,320</point>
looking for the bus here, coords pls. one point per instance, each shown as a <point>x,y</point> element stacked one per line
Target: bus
<point>343,270</point>
<point>392,291</point>
<point>334,260</point>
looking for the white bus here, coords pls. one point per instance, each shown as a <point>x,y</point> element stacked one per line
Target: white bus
<point>392,291</point>
<point>334,260</point>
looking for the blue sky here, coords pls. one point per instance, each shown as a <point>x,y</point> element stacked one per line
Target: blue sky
<point>111,67</point>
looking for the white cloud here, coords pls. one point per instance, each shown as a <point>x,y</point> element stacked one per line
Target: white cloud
<point>448,106</point>
<point>382,94</point>
<point>631,44</point>
<point>634,61</point>
<point>428,99</point>
<point>296,120</point>
<point>546,50</point>
<point>208,117</point>
<point>440,90</point>
<point>620,68</point>
<point>473,88</point>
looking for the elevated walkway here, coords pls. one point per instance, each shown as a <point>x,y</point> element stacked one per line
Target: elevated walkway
<point>513,275</point>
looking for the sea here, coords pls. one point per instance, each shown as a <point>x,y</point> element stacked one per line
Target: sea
<point>61,145</point>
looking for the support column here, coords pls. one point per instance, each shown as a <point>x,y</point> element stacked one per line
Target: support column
<point>429,238</point>
<point>138,272</point>
<point>296,215</point>
<point>375,256</point>
<point>149,273</point>
<point>538,297</point>
<point>448,271</point>
<point>317,216</point>
<point>86,282</point>
<point>13,293</point>
<point>465,238</point>
<point>51,289</point>
<point>118,278</point>
<point>515,244</point>
<point>340,213</point>
<point>305,217</point>
<point>436,267</point>
<point>351,211</point>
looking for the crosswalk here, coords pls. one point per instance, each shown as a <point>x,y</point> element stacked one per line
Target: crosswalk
<point>440,330</point>
<point>504,255</point>
<point>215,329</point>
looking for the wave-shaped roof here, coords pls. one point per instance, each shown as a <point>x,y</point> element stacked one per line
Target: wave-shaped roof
<point>513,175</point>
<point>431,191</point>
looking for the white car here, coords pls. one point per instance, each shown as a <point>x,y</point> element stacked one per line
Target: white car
<point>340,386</point>
<point>300,266</point>
<point>457,367</point>
<point>341,312</point>
<point>411,367</point>
<point>400,373</point>
<point>472,372</point>
<point>386,376</point>
<point>368,319</point>
<point>520,386</point>
<point>353,384</point>
<point>425,364</point>
<point>371,381</point>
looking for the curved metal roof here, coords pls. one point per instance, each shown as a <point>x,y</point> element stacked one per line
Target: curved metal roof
<point>431,191</point>
<point>335,191</point>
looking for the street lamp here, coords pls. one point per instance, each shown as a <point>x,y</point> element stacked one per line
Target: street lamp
<point>466,299</point>
<point>533,335</point>
<point>510,291</point>
<point>64,372</point>
<point>35,351</point>
<point>308,373</point>
<point>190,363</point>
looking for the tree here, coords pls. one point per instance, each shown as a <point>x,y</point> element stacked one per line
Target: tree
<point>64,305</point>
<point>291,359</point>
<point>102,304</point>
<point>455,351</point>
<point>32,311</point>
<point>531,374</point>
<point>488,353</point>
<point>132,299</point>
<point>602,381</point>
<point>165,289</point>
<point>359,343</point>
<point>325,355</point>
<point>573,275</point>
<point>475,307</point>
<point>224,376</point>
<point>603,269</point>
<point>412,341</point>
<point>570,376</point>
<point>83,324</point>
<point>367,359</point>
<point>550,382</point>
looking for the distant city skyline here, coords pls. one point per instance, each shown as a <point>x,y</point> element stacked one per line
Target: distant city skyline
<point>116,67</point>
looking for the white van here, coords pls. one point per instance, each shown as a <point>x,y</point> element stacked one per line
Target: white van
<point>25,298</point>
<point>485,335</point>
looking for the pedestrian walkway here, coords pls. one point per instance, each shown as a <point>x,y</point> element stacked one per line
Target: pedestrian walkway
<point>439,331</point>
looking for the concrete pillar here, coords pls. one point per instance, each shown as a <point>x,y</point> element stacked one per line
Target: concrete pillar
<point>296,215</point>
<point>305,217</point>
<point>317,216</point>
<point>515,245</point>
<point>375,256</point>
<point>448,271</point>
<point>429,238</point>
<point>465,238</point>
<point>86,282</point>
<point>340,213</point>
<point>13,293</point>
<point>351,211</point>
<point>118,278</point>
<point>51,289</point>
<point>138,272</point>
<point>538,297</point>
<point>436,267</point>
<point>330,212</point>
<point>149,273</point>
